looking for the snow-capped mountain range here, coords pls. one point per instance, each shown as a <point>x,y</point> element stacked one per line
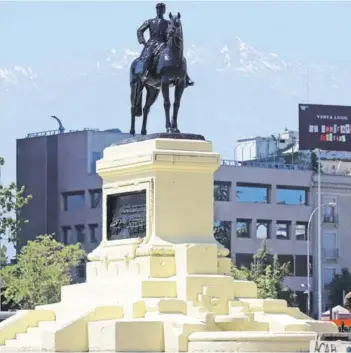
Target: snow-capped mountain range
<point>236,57</point>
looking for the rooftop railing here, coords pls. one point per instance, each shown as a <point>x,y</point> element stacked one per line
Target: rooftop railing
<point>265,164</point>
<point>56,132</point>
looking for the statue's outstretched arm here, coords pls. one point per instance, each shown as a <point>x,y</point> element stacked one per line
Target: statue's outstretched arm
<point>141,30</point>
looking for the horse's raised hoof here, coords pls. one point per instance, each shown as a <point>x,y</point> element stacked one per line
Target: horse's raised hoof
<point>143,132</point>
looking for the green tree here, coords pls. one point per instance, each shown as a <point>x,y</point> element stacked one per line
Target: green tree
<point>341,283</point>
<point>268,274</point>
<point>43,267</point>
<point>3,255</point>
<point>12,200</point>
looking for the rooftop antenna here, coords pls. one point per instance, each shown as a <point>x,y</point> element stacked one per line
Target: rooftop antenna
<point>61,128</point>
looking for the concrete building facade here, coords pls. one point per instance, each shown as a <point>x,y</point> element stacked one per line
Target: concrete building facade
<point>58,170</point>
<point>252,203</point>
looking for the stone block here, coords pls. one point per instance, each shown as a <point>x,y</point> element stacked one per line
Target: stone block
<point>224,266</point>
<point>168,306</point>
<point>156,266</point>
<point>134,335</point>
<point>244,289</point>
<point>198,259</point>
<point>153,288</point>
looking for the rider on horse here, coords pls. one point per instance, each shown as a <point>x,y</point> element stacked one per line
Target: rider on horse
<point>158,38</point>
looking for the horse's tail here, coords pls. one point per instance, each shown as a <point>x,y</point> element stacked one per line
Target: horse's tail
<point>136,91</point>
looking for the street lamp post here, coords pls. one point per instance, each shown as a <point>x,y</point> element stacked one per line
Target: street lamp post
<point>319,257</point>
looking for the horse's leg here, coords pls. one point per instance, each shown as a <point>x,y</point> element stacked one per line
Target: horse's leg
<point>178,92</point>
<point>166,100</point>
<point>151,96</point>
<point>133,102</point>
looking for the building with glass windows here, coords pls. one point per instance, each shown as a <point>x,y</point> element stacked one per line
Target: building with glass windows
<point>59,171</point>
<point>264,201</point>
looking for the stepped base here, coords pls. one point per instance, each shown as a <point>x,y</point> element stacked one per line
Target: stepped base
<point>182,313</point>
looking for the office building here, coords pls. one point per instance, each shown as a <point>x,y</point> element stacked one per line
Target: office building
<point>58,170</point>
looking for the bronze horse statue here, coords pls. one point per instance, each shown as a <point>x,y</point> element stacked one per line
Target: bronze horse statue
<point>168,69</point>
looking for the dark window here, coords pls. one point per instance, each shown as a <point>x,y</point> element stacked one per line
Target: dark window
<point>301,265</point>
<point>222,232</point>
<point>252,193</point>
<point>263,229</point>
<point>221,190</point>
<point>95,156</point>
<point>95,198</point>
<point>291,195</point>
<point>301,230</point>
<point>81,270</point>
<point>93,232</point>
<point>66,235</point>
<point>243,228</point>
<point>243,260</point>
<point>73,201</point>
<point>284,259</point>
<point>80,230</point>
<point>283,230</point>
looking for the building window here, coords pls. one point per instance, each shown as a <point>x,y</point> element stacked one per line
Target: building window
<point>67,235</point>
<point>93,232</point>
<point>263,229</point>
<point>328,275</point>
<point>73,201</point>
<point>330,248</point>
<point>289,260</point>
<point>80,231</point>
<point>291,196</point>
<point>329,214</point>
<point>252,193</point>
<point>301,230</point>
<point>243,260</point>
<point>223,232</point>
<point>95,156</point>
<point>95,198</point>
<point>301,265</point>
<point>221,190</point>
<point>243,228</point>
<point>283,230</point>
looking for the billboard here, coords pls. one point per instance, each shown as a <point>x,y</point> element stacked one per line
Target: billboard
<point>326,127</point>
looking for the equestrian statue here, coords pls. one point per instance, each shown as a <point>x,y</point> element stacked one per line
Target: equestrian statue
<point>160,66</point>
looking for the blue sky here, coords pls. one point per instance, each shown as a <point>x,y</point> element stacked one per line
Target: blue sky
<point>63,42</point>
<point>60,41</point>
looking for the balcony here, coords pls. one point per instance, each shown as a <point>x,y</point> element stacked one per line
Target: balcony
<point>330,254</point>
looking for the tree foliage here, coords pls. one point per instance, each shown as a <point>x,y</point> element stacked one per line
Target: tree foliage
<point>42,268</point>
<point>12,200</point>
<point>268,274</point>
<point>3,255</point>
<point>340,285</point>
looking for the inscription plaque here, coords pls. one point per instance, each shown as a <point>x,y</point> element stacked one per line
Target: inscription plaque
<point>126,215</point>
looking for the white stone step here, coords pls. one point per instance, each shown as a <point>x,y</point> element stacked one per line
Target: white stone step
<point>46,325</point>
<point>23,345</point>
<point>34,330</point>
<point>33,334</point>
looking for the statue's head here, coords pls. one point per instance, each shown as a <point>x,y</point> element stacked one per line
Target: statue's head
<point>160,9</point>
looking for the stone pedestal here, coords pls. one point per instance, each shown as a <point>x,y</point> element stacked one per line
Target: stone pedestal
<point>159,282</point>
